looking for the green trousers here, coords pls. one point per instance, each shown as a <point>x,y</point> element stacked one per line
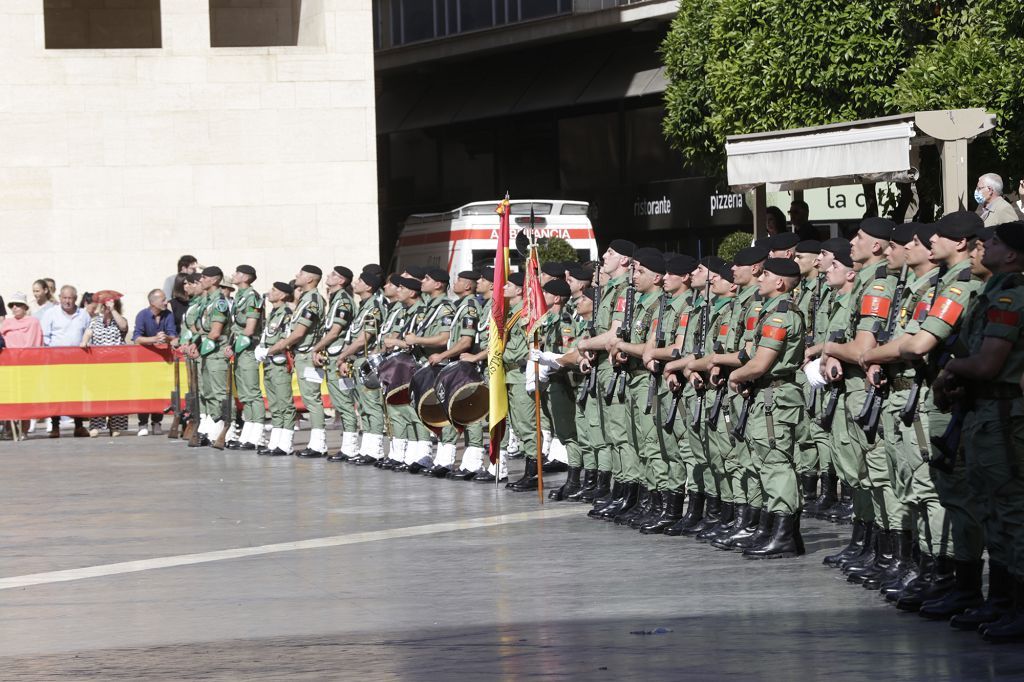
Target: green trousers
<point>343,399</point>
<point>213,383</point>
<point>772,445</point>
<point>648,436</point>
<point>695,427</point>
<point>475,437</point>
<point>247,387</point>
<point>813,443</point>
<point>310,389</point>
<point>278,382</point>
<point>616,425</point>
<point>850,447</point>
<point>371,405</point>
<point>719,445</point>
<point>739,466</point>
<point>560,408</point>
<point>522,413</point>
<point>994,451</point>
<point>677,446</point>
<point>963,507</point>
<point>593,413</point>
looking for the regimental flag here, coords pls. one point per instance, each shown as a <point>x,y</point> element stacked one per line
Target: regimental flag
<point>534,307</point>
<point>498,331</point>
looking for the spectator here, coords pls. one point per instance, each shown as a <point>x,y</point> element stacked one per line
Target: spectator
<point>799,213</point>
<point>3,309</point>
<point>154,325</point>
<point>992,207</point>
<point>65,325</point>
<point>187,265</point>
<point>20,330</point>
<point>43,293</point>
<point>107,328</point>
<point>182,293</point>
<point>88,304</point>
<point>776,221</point>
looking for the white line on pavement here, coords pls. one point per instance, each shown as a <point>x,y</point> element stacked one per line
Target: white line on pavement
<point>242,552</point>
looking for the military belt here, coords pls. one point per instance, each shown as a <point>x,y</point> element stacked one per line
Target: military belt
<point>768,382</point>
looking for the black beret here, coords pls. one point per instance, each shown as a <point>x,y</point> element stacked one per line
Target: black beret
<point>212,271</point>
<point>783,267</point>
<point>925,232</point>
<point>835,244</point>
<point>681,265</point>
<point>809,246</point>
<point>471,275</point>
<point>712,262</point>
<point>437,274</point>
<point>959,225</point>
<point>751,255</point>
<point>622,247</point>
<point>725,272</point>
<point>783,241</point>
<point>343,271</point>
<point>577,271</point>
<point>247,270</point>
<point>416,271</point>
<point>1011,234</point>
<point>395,278</point>
<point>879,228</point>
<point>903,234</point>
<point>588,292</point>
<point>985,233</point>
<point>844,256</point>
<point>313,270</point>
<point>517,278</point>
<point>668,255</point>
<point>408,283</point>
<point>371,279</point>
<point>488,274</point>
<point>651,259</point>
<point>553,269</point>
<point>558,287</point>
<point>374,268</point>
<point>284,288</point>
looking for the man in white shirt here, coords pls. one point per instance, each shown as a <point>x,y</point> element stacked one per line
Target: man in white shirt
<point>992,207</point>
<point>65,325</point>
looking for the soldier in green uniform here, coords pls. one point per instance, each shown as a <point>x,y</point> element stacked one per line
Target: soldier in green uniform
<point>775,405</point>
<point>333,330</point>
<point>410,318</point>
<point>392,312</point>
<point>305,332</point>
<point>246,327</point>
<point>522,411</point>
<point>277,373</point>
<point>458,324</point>
<point>949,589</point>
<point>213,349</point>
<point>361,335</point>
<point>613,426</point>
<point>984,386</point>
<point>907,444</point>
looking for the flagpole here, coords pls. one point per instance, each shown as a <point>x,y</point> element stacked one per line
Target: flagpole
<point>536,378</point>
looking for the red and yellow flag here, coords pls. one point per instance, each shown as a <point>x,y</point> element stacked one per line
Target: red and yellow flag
<point>496,341</point>
<point>534,307</point>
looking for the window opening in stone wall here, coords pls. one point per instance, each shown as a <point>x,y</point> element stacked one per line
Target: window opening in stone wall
<point>101,24</point>
<point>254,23</point>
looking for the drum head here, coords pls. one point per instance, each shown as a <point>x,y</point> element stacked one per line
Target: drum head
<point>463,393</point>
<point>395,376</point>
<point>424,398</point>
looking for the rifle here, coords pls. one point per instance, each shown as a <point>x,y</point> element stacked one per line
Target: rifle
<point>716,406</point>
<point>698,349</point>
<point>833,395</point>
<point>175,405</point>
<point>617,385</point>
<point>589,387</point>
<point>910,409</point>
<point>741,423</point>
<point>652,380</point>
<point>948,444</point>
<point>673,408</point>
<point>192,402</point>
<point>225,409</point>
<point>872,409</point>
<point>811,404</point>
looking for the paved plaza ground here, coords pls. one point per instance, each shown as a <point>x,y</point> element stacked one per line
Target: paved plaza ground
<point>138,558</point>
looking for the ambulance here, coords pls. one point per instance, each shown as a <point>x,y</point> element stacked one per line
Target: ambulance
<point>466,238</point>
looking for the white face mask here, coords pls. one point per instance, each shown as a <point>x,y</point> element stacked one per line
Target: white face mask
<point>979,197</point>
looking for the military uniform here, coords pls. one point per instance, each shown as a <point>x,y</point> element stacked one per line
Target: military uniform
<point>277,380</point>
<point>521,405</point>
<point>308,314</point>
<point>557,335</point>
<point>341,389</point>
<point>403,417</point>
<point>248,305</point>
<point>213,378</point>
<point>368,319</point>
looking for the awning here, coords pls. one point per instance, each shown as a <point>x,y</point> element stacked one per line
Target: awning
<point>869,153</point>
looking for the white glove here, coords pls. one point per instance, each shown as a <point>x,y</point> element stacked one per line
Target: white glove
<point>813,372</point>
<point>260,353</point>
<point>545,358</point>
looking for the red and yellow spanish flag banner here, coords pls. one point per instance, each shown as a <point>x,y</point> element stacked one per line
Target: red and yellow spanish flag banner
<point>498,331</point>
<point>534,306</point>
<point>85,382</point>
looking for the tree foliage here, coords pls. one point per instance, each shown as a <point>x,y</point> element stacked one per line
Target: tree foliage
<point>731,245</point>
<point>556,250</point>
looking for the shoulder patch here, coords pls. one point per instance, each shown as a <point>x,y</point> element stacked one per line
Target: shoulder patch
<point>882,271</point>
<point>964,276</point>
<point>222,305</point>
<point>783,306</point>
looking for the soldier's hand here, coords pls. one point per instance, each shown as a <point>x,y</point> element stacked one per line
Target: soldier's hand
<point>875,375</point>
<point>715,375</point>
<point>649,364</point>
<point>434,359</point>
<point>318,359</point>
<point>833,370</point>
<point>697,381</point>
<point>228,353</point>
<point>673,381</point>
<point>466,357</point>
<point>585,365</point>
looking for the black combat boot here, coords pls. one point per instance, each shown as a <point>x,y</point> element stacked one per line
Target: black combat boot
<point>867,555</point>
<point>653,511</point>
<point>883,559</point>
<point>529,479</point>
<point>607,489</point>
<point>589,483</point>
<point>808,490</point>
<point>1009,628</point>
<point>672,511</point>
<point>746,524</point>
<point>901,543</point>
<point>630,498</point>
<point>998,604</point>
<point>642,504</point>
<point>937,583</point>
<point>712,510</point>
<point>571,485</point>
<point>724,530</point>
<point>784,541</point>
<point>614,493</point>
<point>861,534</point>
<point>725,518</point>
<point>827,499</point>
<point>761,535</point>
<point>842,510</point>
<point>922,573</point>
<point>693,515</point>
<point>966,593</point>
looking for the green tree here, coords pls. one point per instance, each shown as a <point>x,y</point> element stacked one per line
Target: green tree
<point>731,245</point>
<point>556,250</point>
<point>744,66</point>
